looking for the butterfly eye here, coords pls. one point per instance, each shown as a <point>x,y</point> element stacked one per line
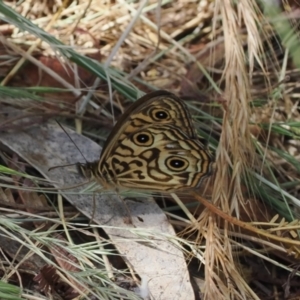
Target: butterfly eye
<point>159,114</point>
<point>177,164</point>
<point>142,139</point>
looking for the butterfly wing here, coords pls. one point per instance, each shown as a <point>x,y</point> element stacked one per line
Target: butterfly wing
<point>154,146</point>
<point>144,112</point>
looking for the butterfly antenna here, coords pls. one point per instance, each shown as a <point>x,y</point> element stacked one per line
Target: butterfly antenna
<point>71,140</point>
<point>62,166</point>
<point>55,167</point>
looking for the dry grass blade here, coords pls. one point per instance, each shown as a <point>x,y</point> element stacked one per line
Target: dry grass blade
<point>49,281</point>
<point>235,152</point>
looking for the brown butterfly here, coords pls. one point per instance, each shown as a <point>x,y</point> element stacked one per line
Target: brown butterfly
<point>153,147</point>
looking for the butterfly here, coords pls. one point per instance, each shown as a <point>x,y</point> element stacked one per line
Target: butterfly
<point>153,147</point>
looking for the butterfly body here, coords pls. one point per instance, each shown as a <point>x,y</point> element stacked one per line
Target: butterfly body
<point>153,147</point>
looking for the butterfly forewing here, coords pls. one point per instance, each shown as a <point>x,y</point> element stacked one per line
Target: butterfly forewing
<point>140,113</point>
<point>154,147</point>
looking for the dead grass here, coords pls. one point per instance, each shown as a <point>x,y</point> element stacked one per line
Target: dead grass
<point>236,63</point>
